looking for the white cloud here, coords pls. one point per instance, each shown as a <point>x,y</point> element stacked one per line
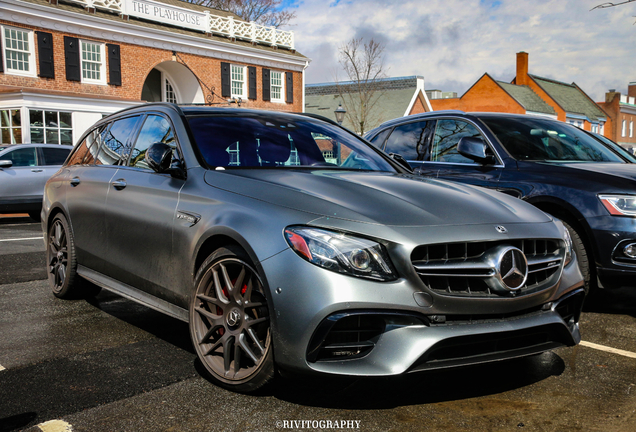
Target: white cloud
<point>453,42</point>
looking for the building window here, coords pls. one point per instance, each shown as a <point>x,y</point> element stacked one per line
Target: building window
<point>631,129</point>
<point>170,97</point>
<point>276,86</point>
<point>594,128</point>
<point>93,62</point>
<point>234,152</point>
<point>624,128</point>
<point>10,127</point>
<point>238,81</point>
<point>17,45</point>
<point>601,129</point>
<point>51,127</point>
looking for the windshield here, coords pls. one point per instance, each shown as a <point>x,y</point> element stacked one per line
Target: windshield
<point>268,140</point>
<point>616,147</point>
<point>536,139</point>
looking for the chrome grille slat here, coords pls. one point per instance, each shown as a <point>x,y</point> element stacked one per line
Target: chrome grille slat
<point>459,269</point>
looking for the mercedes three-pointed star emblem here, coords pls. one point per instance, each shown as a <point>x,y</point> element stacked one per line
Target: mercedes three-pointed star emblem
<point>513,268</point>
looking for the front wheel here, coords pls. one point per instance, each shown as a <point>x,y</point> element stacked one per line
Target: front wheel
<point>583,258</point>
<point>230,323</point>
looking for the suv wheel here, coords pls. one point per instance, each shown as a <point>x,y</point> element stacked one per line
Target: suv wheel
<point>582,256</point>
<point>229,322</point>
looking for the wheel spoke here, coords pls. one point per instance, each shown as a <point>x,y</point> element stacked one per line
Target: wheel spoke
<point>237,356</point>
<point>211,300</point>
<point>212,318</point>
<point>247,349</point>
<point>228,282</point>
<point>238,285</point>
<point>253,322</point>
<point>215,345</point>
<point>248,291</point>
<point>254,338</point>
<point>227,354</point>
<point>219,288</point>
<point>254,305</point>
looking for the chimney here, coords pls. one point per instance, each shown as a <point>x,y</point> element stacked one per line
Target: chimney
<point>522,69</point>
<point>631,89</point>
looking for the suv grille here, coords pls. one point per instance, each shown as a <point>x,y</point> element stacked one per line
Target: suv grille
<point>468,269</point>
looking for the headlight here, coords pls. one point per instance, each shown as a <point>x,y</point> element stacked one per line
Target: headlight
<point>341,253</point>
<point>619,205</point>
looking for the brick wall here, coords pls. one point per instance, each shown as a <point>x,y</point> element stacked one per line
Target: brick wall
<point>136,62</point>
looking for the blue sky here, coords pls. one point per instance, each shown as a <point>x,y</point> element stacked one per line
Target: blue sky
<point>453,42</point>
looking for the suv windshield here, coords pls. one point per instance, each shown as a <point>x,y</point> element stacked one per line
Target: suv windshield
<point>535,139</point>
<point>273,141</point>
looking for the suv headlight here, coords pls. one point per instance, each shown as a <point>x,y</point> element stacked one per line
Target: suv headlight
<point>341,253</point>
<point>619,205</point>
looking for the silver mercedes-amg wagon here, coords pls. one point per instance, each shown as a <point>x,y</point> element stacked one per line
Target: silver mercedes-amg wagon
<point>290,243</point>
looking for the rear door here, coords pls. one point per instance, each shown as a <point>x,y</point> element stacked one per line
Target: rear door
<point>22,183</point>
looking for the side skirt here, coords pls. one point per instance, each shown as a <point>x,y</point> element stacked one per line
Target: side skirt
<point>133,294</point>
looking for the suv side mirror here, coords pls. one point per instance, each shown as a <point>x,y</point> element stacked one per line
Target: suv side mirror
<point>475,149</point>
<point>400,159</point>
<point>6,163</point>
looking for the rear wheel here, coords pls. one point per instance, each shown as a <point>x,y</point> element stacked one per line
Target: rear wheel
<point>229,322</point>
<point>62,263</point>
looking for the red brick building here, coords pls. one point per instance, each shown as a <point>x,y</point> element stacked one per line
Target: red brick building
<point>621,110</point>
<point>63,65</point>
<point>530,94</point>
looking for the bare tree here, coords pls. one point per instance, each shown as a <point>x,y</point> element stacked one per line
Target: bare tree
<point>363,63</point>
<point>610,4</point>
<point>265,12</point>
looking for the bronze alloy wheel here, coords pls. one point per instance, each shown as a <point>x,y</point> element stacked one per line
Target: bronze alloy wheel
<point>229,322</point>
<point>58,255</point>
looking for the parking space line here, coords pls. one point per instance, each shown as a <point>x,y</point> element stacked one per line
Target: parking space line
<point>55,426</point>
<point>609,349</point>
<point>19,239</point>
<point>2,368</point>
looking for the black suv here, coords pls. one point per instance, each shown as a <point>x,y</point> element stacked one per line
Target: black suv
<point>559,168</point>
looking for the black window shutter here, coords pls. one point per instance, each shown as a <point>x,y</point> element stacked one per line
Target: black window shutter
<point>1,61</point>
<point>72,59</point>
<point>226,89</point>
<point>114,65</point>
<point>45,55</point>
<point>289,86</point>
<point>266,85</point>
<point>251,94</point>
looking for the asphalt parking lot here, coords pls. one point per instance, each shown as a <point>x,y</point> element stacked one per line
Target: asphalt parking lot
<point>112,365</point>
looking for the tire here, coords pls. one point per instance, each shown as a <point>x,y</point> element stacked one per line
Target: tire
<point>583,258</point>
<point>62,263</point>
<point>230,324</point>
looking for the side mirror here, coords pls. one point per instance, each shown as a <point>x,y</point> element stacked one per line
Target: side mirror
<point>6,163</point>
<point>475,149</point>
<point>400,159</point>
<point>159,156</point>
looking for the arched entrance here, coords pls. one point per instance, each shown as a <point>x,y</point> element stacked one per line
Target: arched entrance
<point>172,82</point>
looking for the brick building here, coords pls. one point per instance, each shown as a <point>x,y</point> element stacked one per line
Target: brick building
<point>63,65</point>
<point>621,110</point>
<point>530,94</point>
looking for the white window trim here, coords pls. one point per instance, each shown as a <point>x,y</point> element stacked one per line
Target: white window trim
<point>282,86</point>
<point>32,72</point>
<point>244,94</point>
<point>624,128</point>
<point>103,71</point>
<point>164,89</point>
<point>631,129</point>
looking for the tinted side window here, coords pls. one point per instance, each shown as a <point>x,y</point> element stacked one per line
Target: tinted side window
<point>78,154</point>
<point>411,140</point>
<point>21,157</point>
<point>115,148</point>
<point>55,156</point>
<point>447,136</point>
<point>155,129</point>
<point>379,139</point>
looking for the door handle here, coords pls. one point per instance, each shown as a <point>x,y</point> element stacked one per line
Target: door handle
<point>36,170</point>
<point>75,181</point>
<point>119,184</point>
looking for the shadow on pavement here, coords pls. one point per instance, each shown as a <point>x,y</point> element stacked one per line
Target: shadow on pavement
<point>16,421</point>
<point>6,219</point>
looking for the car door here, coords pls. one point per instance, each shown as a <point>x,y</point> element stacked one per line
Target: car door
<point>450,164</point>
<point>23,182</point>
<point>141,209</point>
<point>89,184</point>
<point>412,141</point>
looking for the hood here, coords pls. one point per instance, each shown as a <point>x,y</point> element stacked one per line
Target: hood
<point>626,170</point>
<point>375,197</point>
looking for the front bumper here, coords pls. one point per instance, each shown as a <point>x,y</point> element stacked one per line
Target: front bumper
<point>611,234</point>
<point>397,335</point>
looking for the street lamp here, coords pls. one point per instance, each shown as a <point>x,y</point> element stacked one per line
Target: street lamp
<point>340,113</point>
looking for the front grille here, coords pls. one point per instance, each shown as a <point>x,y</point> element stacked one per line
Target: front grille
<point>466,269</point>
<point>350,337</point>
